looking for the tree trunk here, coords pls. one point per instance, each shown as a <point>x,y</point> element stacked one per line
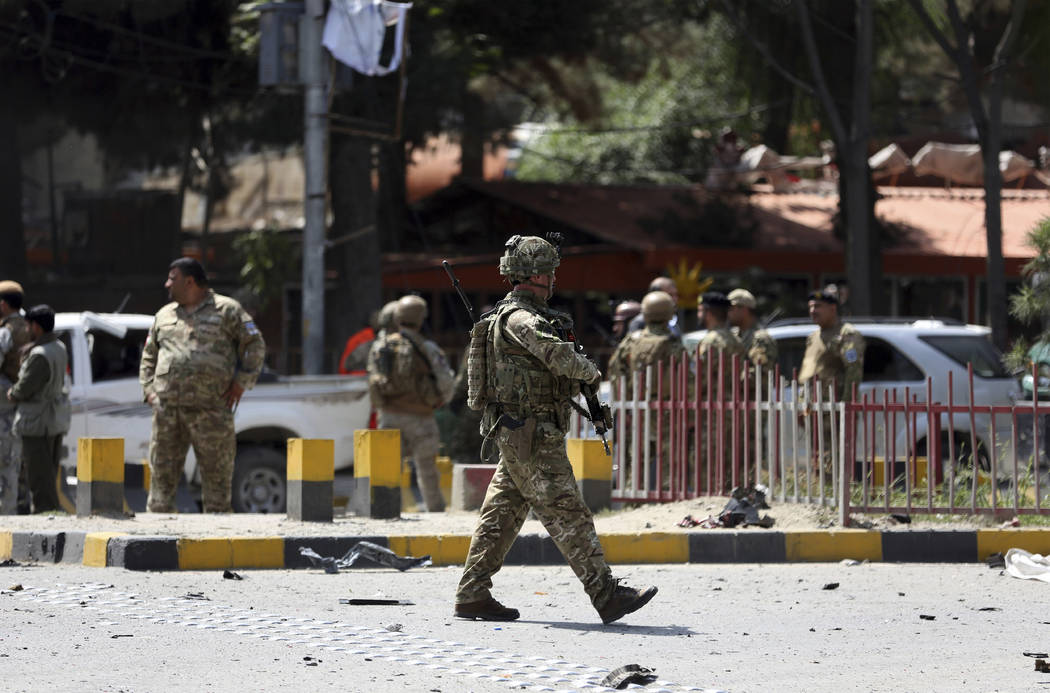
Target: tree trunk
<point>472,141</point>
<point>357,261</point>
<point>12,235</point>
<point>863,262</point>
<point>991,143</point>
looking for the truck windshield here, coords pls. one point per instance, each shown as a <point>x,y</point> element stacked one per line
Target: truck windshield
<point>986,359</point>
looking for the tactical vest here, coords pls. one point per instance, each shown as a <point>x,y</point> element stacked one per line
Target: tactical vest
<point>20,336</point>
<point>408,384</point>
<point>516,380</point>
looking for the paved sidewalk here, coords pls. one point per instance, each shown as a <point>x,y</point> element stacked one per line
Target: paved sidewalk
<point>151,541</point>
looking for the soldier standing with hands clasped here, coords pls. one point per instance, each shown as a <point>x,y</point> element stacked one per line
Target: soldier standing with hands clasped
<point>523,373</point>
<point>203,351</point>
<point>835,350</point>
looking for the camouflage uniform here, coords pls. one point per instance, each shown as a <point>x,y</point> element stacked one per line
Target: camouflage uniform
<point>721,340</point>
<point>14,334</point>
<point>189,361</point>
<point>835,354</point>
<point>408,379</point>
<point>654,344</point>
<point>532,377</point>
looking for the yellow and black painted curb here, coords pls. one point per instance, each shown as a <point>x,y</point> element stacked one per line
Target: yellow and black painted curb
<point>140,552</point>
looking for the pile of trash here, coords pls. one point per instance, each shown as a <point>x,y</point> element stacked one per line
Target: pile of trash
<point>741,511</point>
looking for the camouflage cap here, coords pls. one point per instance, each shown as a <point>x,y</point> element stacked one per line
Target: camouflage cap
<point>528,256</point>
<point>742,297</point>
<point>658,306</point>
<point>411,311</point>
<point>388,316</point>
<point>11,287</point>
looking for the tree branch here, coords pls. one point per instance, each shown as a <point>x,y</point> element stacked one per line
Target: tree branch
<point>763,49</point>
<point>817,69</point>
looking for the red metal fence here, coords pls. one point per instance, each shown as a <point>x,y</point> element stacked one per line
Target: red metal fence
<point>703,427</point>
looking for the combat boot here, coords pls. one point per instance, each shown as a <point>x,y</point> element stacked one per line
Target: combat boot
<point>625,600</point>
<point>487,609</point>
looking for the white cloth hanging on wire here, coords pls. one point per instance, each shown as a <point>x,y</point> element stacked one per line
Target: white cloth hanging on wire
<point>354,31</point>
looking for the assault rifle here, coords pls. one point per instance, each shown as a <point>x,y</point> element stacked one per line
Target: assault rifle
<point>597,413</point>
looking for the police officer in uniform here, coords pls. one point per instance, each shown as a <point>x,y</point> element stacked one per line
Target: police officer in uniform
<point>533,372</point>
<point>409,379</point>
<point>203,351</point>
<point>835,350</point>
<point>14,334</point>
<point>759,346</point>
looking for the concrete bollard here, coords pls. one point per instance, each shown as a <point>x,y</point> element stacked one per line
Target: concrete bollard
<point>469,483</point>
<point>593,471</point>
<point>377,473</point>
<point>444,467</point>
<point>100,476</point>
<point>311,475</point>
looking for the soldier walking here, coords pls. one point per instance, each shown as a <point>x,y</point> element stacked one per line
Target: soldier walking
<point>203,351</point>
<point>523,376</point>
<point>14,334</point>
<point>408,380</point>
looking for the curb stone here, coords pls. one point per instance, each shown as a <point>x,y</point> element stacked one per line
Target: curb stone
<point>144,552</point>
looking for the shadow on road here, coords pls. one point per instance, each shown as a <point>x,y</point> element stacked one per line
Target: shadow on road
<point>616,627</point>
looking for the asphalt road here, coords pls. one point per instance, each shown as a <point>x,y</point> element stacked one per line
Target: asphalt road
<point>885,627</point>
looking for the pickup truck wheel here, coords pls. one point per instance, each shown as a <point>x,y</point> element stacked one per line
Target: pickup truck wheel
<point>259,484</point>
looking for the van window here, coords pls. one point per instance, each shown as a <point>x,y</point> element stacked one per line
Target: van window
<point>976,349</point>
<point>113,358</point>
<point>884,363</point>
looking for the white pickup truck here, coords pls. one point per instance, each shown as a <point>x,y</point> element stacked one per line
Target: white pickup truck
<point>104,351</point>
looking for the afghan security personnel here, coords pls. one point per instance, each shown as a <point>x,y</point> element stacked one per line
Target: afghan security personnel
<point>43,416</point>
<point>835,350</point>
<point>652,345</point>
<point>667,285</point>
<point>203,351</point>
<point>713,313</point>
<point>760,348</point>
<point>409,379</point>
<point>14,334</point>
<point>523,377</point>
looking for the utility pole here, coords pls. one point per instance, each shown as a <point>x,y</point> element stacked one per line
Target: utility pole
<point>315,136</point>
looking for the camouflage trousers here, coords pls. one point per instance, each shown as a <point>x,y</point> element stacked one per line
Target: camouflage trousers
<point>10,463</point>
<point>211,433</point>
<point>420,442</point>
<point>534,473</point>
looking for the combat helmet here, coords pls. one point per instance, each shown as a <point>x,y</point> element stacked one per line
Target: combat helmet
<point>528,256</point>
<point>411,310</point>
<point>657,306</point>
<point>387,319</point>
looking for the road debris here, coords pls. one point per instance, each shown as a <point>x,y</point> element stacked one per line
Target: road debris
<point>1027,566</point>
<point>996,560</point>
<point>376,601</point>
<point>927,617</point>
<point>627,674</point>
<point>1042,667</point>
<point>395,627</point>
<point>9,563</point>
<point>364,549</point>
<point>230,575</point>
<point>831,586</point>
<point>742,509</point>
<point>199,596</point>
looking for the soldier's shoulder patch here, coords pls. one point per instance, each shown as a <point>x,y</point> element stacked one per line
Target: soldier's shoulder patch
<point>851,355</point>
<point>250,328</point>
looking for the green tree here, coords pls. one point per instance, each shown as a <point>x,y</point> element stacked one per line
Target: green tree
<point>1031,304</point>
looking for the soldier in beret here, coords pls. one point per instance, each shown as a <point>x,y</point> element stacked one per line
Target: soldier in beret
<point>835,351</point>
<point>713,314</point>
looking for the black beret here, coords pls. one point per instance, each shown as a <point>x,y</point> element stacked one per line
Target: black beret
<point>716,299</point>
<point>825,296</point>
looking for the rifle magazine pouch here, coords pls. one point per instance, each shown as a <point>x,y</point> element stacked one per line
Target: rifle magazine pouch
<point>477,366</point>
